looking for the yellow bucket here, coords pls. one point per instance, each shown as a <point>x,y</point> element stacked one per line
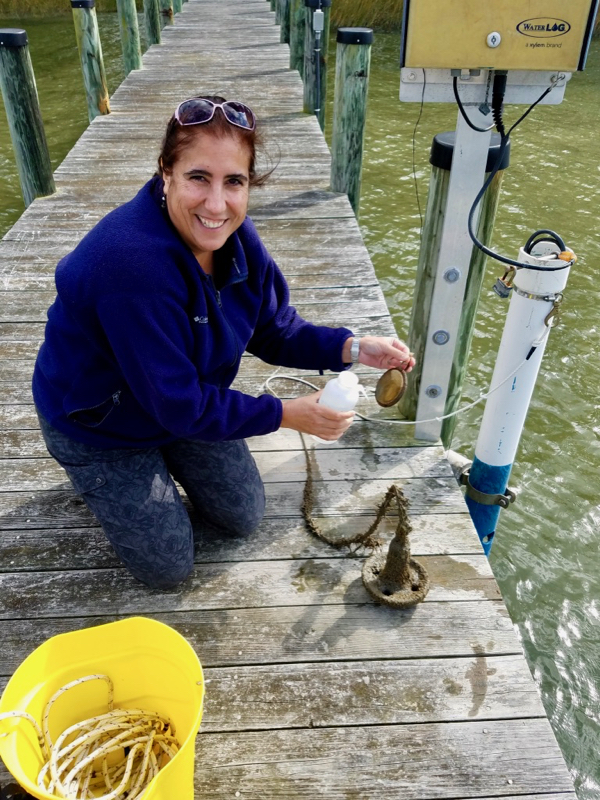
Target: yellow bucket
<point>151,666</point>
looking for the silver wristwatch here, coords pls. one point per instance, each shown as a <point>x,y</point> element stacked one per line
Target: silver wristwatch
<point>355,350</point>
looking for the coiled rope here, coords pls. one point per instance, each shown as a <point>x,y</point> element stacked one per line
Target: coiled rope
<point>112,756</point>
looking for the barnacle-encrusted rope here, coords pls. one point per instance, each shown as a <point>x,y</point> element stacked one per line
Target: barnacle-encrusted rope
<point>366,539</point>
<point>111,756</point>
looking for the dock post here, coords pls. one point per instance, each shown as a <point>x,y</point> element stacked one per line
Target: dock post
<point>315,57</point>
<point>25,124</point>
<point>130,35</point>
<point>536,295</point>
<point>166,12</point>
<point>442,150</point>
<point>297,33</point>
<point>353,61</point>
<point>177,6</point>
<point>90,54</point>
<point>284,21</point>
<point>152,21</point>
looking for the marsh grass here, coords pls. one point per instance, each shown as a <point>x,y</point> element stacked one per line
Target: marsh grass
<point>383,15</point>
<point>42,8</point>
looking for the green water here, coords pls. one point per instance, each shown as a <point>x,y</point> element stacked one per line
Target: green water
<point>546,555</point>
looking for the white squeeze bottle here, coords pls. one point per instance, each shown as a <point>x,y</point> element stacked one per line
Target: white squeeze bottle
<point>340,394</point>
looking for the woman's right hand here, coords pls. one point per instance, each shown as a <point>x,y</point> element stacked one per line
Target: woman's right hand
<point>304,414</point>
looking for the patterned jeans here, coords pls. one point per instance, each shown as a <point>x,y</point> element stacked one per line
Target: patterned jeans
<point>132,494</point>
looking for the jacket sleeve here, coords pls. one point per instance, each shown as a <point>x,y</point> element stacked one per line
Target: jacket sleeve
<point>150,338</point>
<point>284,338</point>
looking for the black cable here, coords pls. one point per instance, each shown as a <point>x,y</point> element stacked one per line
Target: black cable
<point>414,163</point>
<point>463,112</point>
<point>497,100</point>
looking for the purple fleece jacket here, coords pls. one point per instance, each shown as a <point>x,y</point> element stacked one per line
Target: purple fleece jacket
<point>141,345</point>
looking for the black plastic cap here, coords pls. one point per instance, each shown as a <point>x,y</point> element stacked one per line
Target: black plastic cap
<point>442,148</point>
<point>83,3</point>
<point>317,3</point>
<point>355,35</point>
<point>13,37</point>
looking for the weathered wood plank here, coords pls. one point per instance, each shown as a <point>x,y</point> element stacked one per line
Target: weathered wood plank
<point>24,550</point>
<point>383,763</point>
<point>292,634</point>
<point>314,582</point>
<point>380,464</point>
<point>60,507</point>
<point>371,693</point>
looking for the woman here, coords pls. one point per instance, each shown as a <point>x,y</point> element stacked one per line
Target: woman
<point>155,308</point>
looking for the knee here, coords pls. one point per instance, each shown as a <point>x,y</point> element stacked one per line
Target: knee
<point>165,577</point>
<point>239,522</point>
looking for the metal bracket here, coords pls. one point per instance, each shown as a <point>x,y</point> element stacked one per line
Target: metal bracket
<point>502,500</point>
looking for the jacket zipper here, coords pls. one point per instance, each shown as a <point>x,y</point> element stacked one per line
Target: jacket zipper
<point>230,329</point>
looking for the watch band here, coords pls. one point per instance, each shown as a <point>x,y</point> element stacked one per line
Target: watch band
<point>355,350</point>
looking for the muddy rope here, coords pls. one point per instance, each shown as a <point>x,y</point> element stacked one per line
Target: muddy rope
<point>366,539</point>
<point>394,579</point>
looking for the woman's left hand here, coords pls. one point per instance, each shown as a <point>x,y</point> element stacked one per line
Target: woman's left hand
<point>381,352</point>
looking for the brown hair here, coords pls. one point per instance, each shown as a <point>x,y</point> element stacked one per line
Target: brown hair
<point>178,137</point>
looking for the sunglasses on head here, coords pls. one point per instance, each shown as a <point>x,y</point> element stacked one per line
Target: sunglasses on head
<point>198,110</point>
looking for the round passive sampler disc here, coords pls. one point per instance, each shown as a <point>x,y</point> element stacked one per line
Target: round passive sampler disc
<point>390,387</point>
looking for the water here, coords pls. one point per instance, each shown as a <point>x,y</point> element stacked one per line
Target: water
<point>546,555</point>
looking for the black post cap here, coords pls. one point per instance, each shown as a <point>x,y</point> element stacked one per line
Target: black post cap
<point>317,3</point>
<point>355,35</point>
<point>442,148</point>
<point>82,3</point>
<point>13,37</point>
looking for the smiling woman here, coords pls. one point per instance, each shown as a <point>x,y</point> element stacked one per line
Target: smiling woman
<point>155,307</point>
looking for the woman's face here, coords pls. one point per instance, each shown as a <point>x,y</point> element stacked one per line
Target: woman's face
<point>207,192</point>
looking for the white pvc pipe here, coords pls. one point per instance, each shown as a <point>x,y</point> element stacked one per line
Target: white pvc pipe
<point>507,407</point>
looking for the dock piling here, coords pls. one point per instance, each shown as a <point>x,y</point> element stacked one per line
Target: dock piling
<point>284,21</point>
<point>90,54</point>
<point>177,6</point>
<point>130,35</point>
<point>166,12</point>
<point>25,124</point>
<point>298,14</point>
<point>152,21</point>
<point>315,57</point>
<point>353,60</point>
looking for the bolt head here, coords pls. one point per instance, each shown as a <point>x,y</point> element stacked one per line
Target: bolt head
<point>441,337</point>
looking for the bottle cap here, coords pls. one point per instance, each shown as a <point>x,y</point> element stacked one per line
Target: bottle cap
<point>348,379</point>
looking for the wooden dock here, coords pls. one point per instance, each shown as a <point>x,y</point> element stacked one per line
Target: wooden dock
<point>313,690</point>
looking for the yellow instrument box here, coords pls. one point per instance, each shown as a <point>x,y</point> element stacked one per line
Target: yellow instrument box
<point>497,34</point>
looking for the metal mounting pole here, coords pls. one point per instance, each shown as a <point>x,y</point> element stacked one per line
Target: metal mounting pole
<point>466,178</point>
<point>315,57</point>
